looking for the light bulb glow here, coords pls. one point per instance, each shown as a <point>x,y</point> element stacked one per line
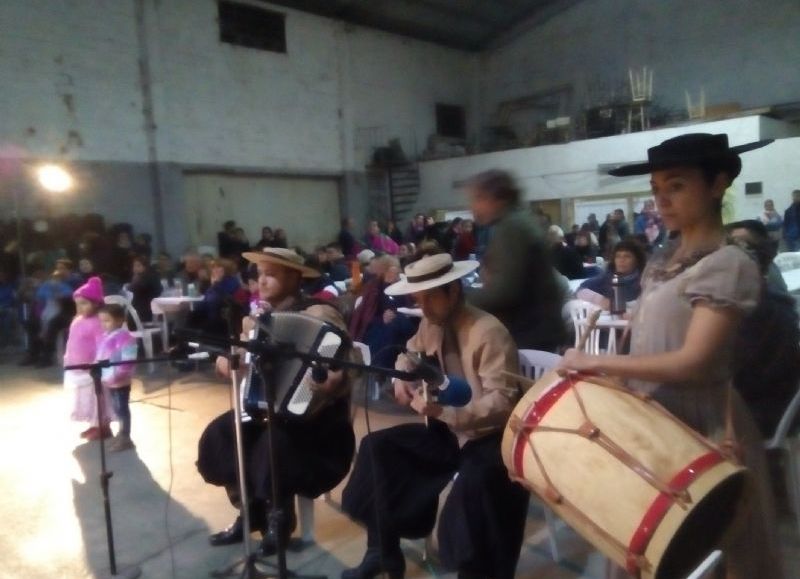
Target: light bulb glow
<point>54,178</point>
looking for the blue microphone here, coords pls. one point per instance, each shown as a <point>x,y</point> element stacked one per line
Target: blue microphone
<point>449,390</point>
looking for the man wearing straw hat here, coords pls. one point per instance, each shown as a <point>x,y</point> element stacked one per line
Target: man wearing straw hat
<point>314,450</point>
<point>400,471</point>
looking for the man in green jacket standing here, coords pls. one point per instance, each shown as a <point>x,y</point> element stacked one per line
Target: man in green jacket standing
<point>519,283</point>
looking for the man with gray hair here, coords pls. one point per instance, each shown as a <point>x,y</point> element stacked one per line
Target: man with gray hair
<point>519,284</point>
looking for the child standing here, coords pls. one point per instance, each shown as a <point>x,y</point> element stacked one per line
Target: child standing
<point>118,345</point>
<point>85,334</point>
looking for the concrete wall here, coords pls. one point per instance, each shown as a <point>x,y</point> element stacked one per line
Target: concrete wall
<point>70,69</point>
<point>737,50</point>
<point>578,169</point>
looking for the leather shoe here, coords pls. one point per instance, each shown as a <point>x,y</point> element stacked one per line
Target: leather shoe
<point>230,536</point>
<point>373,565</point>
<point>269,543</point>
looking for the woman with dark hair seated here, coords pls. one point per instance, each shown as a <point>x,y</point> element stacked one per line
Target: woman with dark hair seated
<point>376,321</point>
<point>627,263</point>
<point>145,285</point>
<point>226,291</point>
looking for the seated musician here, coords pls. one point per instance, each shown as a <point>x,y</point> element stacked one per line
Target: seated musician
<point>400,471</point>
<point>313,451</point>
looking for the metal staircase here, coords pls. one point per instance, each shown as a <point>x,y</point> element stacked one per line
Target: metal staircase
<point>403,183</point>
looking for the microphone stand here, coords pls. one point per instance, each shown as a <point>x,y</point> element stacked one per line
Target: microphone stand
<point>264,356</point>
<point>95,370</point>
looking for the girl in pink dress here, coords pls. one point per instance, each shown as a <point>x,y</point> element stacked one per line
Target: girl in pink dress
<point>85,334</point>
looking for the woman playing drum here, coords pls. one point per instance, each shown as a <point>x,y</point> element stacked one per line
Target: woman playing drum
<point>694,294</point>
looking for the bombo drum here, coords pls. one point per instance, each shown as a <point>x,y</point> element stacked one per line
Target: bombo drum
<point>645,489</point>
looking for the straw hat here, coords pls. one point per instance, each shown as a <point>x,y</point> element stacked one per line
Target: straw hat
<point>430,272</point>
<point>280,256</point>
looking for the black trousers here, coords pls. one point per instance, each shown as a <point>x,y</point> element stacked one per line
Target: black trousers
<point>313,455</point>
<point>42,337</point>
<point>394,491</point>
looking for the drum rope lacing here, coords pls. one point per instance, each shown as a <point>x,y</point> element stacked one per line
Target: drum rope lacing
<point>636,561</point>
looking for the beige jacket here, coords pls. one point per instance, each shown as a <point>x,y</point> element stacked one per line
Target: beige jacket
<point>486,350</point>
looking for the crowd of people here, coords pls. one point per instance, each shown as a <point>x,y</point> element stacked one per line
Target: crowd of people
<point>711,310</point>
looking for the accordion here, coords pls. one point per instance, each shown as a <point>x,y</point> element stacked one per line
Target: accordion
<point>292,375</point>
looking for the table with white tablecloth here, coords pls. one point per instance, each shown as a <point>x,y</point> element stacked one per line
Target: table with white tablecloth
<point>167,308</point>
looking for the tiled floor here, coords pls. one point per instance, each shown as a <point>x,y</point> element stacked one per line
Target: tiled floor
<point>52,511</point>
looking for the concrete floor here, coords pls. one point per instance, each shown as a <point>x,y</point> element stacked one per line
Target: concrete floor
<point>52,512</point>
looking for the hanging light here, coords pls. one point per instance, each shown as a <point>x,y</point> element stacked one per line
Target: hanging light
<point>54,178</point>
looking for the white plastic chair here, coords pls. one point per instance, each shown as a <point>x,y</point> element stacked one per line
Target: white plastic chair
<point>579,312</point>
<point>791,446</point>
<point>706,569</point>
<point>305,505</point>
<point>143,333</point>
<point>532,364</point>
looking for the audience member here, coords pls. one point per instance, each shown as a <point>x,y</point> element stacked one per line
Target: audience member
<point>767,354</point>
<point>772,220</point>
<point>649,224</point>
<point>346,240</point>
<point>791,223</point>
<point>51,313</point>
<point>142,245</point>
<point>85,269</point>
<point>375,320</point>
<point>8,308</point>
<point>592,224</point>
<point>394,233</point>
<point>569,238</point>
<point>121,254</point>
<point>519,281</point>
<point>267,238</point>
<point>194,273</point>
<point>337,266</point>
<point>465,246</point>
<point>280,240</point>
<point>565,258</point>
<point>451,235</point>
<point>627,263</point>
<point>416,229</point>
<point>63,267</point>
<point>378,241</point>
<point>226,239</point>
<point>586,246</point>
<point>145,285</point>
<point>209,315</point>
<point>165,269</point>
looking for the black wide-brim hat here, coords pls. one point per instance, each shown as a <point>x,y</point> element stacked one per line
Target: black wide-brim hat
<point>693,149</point>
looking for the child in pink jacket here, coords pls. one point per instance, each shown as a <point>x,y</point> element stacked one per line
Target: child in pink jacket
<point>85,333</point>
<point>118,345</point>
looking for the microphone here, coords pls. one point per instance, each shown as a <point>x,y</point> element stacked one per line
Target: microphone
<point>449,390</point>
<point>319,373</point>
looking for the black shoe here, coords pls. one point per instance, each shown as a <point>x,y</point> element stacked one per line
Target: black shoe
<point>393,564</point>
<point>230,536</point>
<point>269,543</point>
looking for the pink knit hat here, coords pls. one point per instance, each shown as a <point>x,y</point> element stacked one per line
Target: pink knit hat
<point>92,290</point>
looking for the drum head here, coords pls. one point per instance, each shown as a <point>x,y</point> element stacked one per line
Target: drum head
<point>703,529</point>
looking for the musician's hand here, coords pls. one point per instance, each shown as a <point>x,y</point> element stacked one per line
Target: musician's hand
<point>248,325</point>
<point>330,384</point>
<point>404,391</point>
<point>577,361</point>
<point>389,316</point>
<point>423,407</point>
<point>223,366</point>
